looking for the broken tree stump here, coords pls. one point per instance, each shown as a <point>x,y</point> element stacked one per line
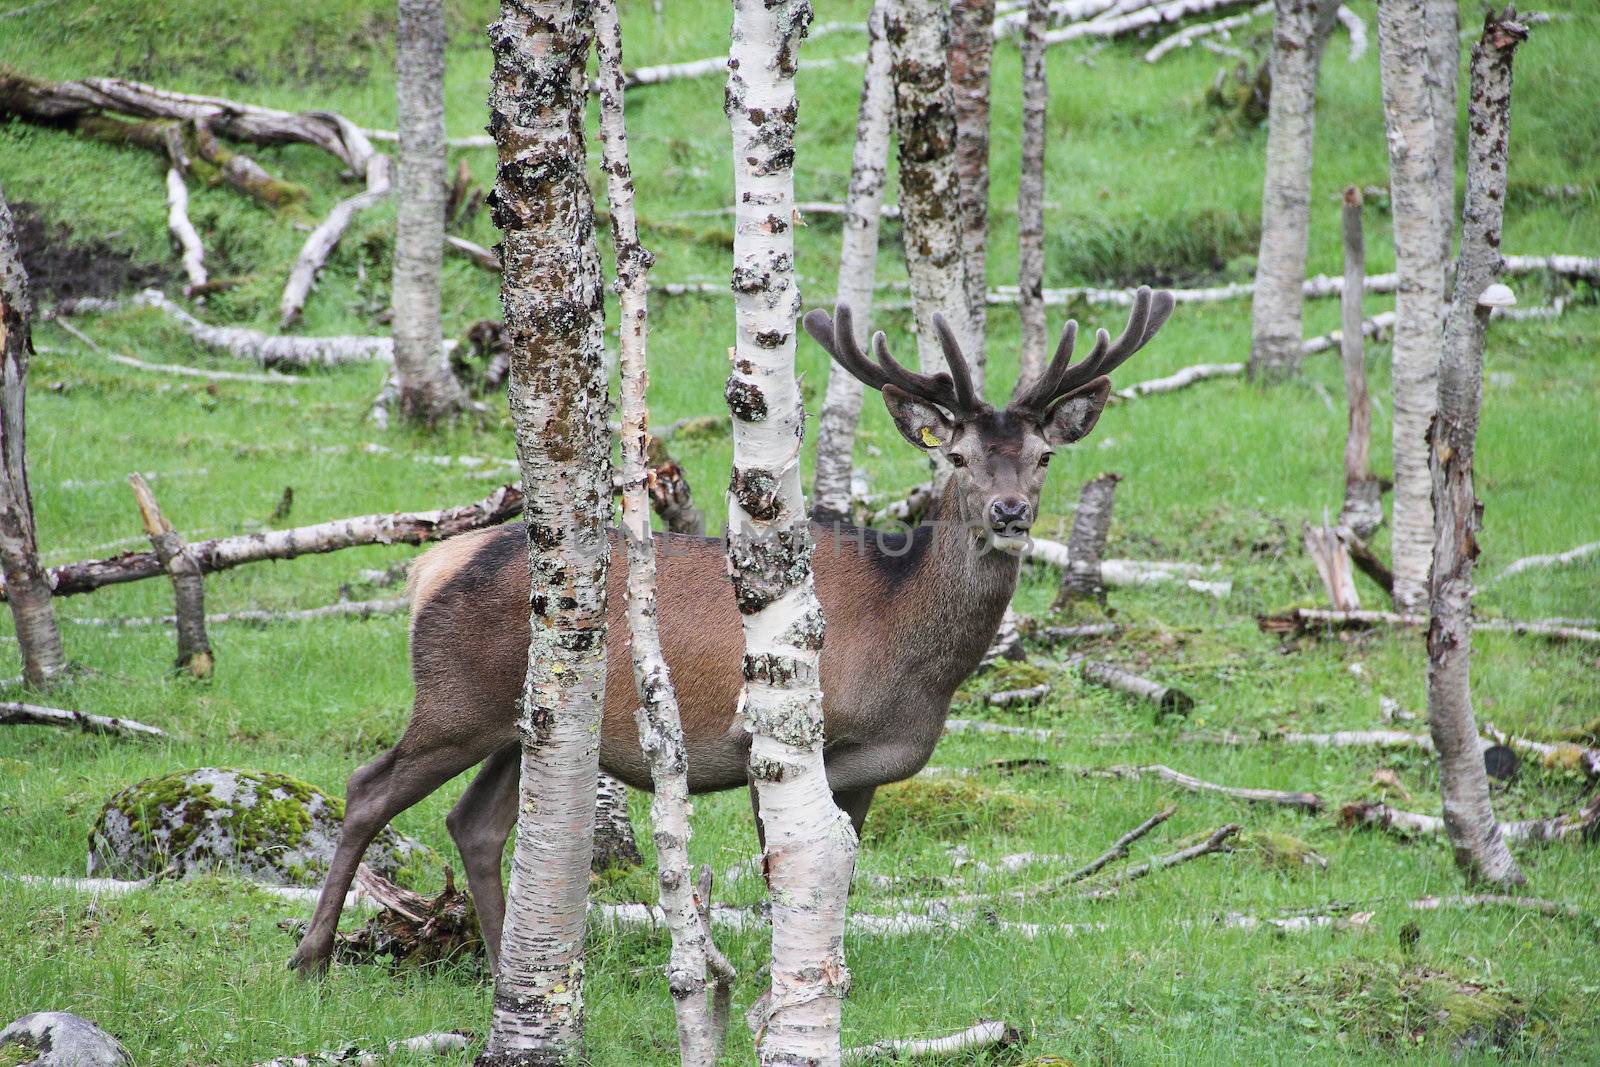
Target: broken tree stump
<point>1329,553</point>
<point>188,582</point>
<point>1090,527</point>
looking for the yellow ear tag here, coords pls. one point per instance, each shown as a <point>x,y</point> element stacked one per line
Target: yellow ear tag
<point>928,438</point>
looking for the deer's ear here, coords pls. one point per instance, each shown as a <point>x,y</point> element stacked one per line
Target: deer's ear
<point>1073,418</point>
<point>918,421</point>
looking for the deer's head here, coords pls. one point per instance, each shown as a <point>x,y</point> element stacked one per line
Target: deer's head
<point>999,455</point>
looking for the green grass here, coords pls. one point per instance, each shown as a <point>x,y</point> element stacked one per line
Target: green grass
<point>1142,185</point>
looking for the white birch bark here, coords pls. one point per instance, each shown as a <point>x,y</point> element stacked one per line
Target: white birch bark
<point>325,238</point>
<point>191,252</point>
<point>930,194</point>
<point>971,56</point>
<point>554,325</point>
<point>1363,500</point>
<point>660,728</point>
<point>428,389</point>
<point>810,845</point>
<point>1299,32</point>
<point>858,264</point>
<point>1406,63</point>
<point>1443,25</point>
<point>1030,195</point>
<point>1480,849</point>
<point>27,584</point>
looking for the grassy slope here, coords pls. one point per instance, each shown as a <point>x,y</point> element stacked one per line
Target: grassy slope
<point>1223,472</point>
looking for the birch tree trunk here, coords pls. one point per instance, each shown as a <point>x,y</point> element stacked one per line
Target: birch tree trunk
<point>810,845</point>
<point>27,586</point>
<point>1480,850</point>
<point>1030,193</point>
<point>660,728</point>
<point>1299,32</point>
<point>1363,502</point>
<point>554,324</point>
<point>930,194</point>
<point>1443,20</point>
<point>858,264</point>
<point>428,389</point>
<point>971,55</point>
<point>1406,62</point>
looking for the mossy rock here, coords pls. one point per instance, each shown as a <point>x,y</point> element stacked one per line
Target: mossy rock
<point>261,825</point>
<point>59,1039</point>
<point>947,807</point>
<point>1278,851</point>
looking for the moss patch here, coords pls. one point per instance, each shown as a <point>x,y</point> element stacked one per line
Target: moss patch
<point>947,808</point>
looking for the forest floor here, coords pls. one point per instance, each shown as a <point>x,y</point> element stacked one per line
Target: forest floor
<point>1147,182</point>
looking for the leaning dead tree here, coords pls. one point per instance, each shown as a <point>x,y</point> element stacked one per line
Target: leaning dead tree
<point>1091,525</point>
<point>553,306</point>
<point>1030,194</point>
<point>1468,812</point>
<point>970,58</point>
<point>27,583</point>
<point>700,1026</point>
<point>809,843</point>
<point>428,389</point>
<point>858,264</point>
<point>188,583</point>
<point>1412,70</point>
<point>930,193</point>
<point>1363,501</point>
<point>1300,31</point>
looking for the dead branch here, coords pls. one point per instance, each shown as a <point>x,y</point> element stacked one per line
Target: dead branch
<point>223,553</point>
<point>1012,697</point>
<point>343,609</point>
<point>13,713</point>
<point>1171,383</point>
<point>269,350</point>
<point>1185,37</point>
<point>984,1035</point>
<point>1113,25</point>
<point>487,258</point>
<point>187,238</point>
<point>1304,621</point>
<point>1581,825</point>
<point>1166,698</point>
<point>188,583</point>
<point>1118,850</point>
<point>434,1044</point>
<point>1366,561</point>
<point>1332,559</point>
<point>1356,27</point>
<point>1560,755</point>
<point>1309,802</point>
<point>1557,559</point>
<point>1060,634</point>
<point>1216,841</point>
<point>322,241</point>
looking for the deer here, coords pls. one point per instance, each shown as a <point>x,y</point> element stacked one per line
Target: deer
<point>908,615</point>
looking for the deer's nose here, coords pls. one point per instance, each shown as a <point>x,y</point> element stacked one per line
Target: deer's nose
<point>1010,515</point>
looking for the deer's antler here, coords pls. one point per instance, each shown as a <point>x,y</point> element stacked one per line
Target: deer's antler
<point>952,391</point>
<point>1063,377</point>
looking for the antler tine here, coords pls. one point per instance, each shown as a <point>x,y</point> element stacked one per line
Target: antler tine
<point>838,337</point>
<point>1038,393</point>
<point>960,375</point>
<point>938,388</point>
<point>1149,314</point>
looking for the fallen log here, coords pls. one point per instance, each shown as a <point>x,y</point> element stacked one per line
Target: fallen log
<point>1168,699</point>
<point>269,350</point>
<point>434,1044</point>
<point>1556,559</point>
<point>487,258</point>
<point>191,252</point>
<point>1012,697</point>
<point>1171,383</point>
<point>325,238</point>
<point>1113,25</point>
<point>1060,634</point>
<point>343,609</point>
<point>1308,802</point>
<point>13,713</point>
<point>989,1034</point>
<point>1129,572</point>
<point>1582,825</point>
<point>1303,621</point>
<point>411,528</point>
<point>1185,37</point>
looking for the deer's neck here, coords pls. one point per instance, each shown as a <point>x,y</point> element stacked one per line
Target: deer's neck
<point>955,597</point>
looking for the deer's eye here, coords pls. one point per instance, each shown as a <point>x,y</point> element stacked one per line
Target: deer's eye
<point>957,460</point>
<point>1044,460</point>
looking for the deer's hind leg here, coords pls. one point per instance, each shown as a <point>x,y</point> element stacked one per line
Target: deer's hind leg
<point>429,755</point>
<point>480,824</point>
